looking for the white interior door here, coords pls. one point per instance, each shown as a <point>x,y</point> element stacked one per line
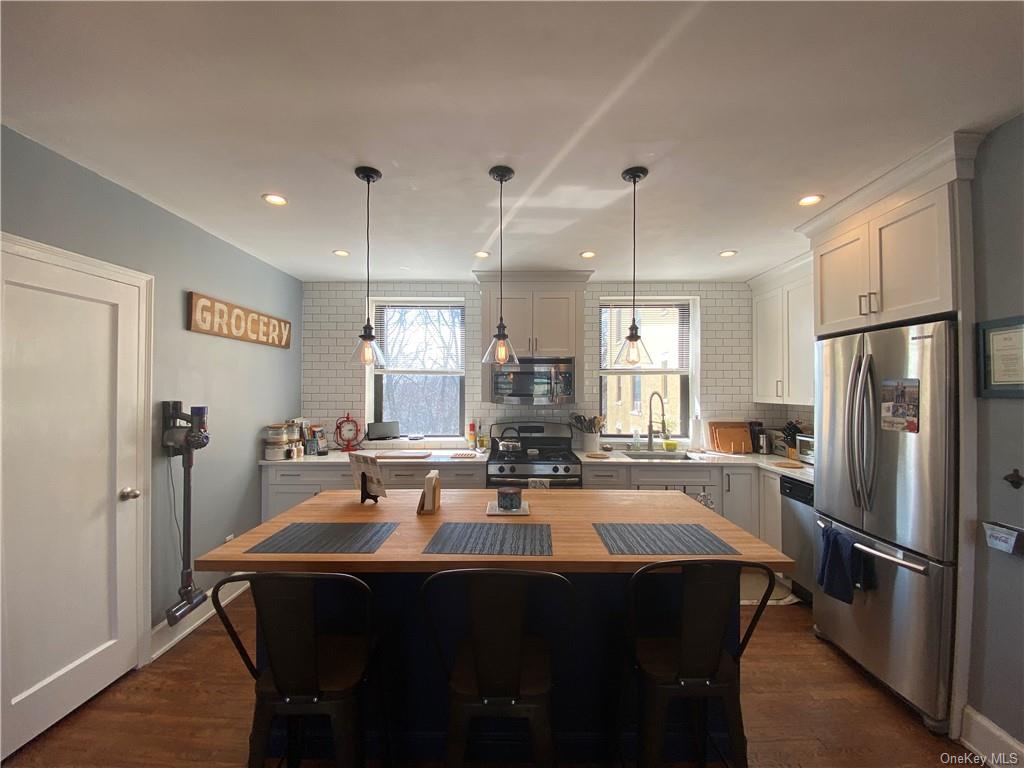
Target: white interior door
<point>74,391</point>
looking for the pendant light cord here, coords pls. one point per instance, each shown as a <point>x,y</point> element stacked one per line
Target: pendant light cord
<point>368,253</point>
<point>501,252</point>
<point>634,251</point>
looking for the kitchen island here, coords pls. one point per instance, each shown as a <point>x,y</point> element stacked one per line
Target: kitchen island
<point>587,656</point>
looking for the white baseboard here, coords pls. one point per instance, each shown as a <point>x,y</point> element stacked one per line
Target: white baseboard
<point>166,637</point>
<point>985,738</point>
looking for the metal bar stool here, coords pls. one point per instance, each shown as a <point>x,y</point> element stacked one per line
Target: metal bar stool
<point>499,669</point>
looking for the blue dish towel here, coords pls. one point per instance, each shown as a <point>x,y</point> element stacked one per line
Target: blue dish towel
<point>843,567</point>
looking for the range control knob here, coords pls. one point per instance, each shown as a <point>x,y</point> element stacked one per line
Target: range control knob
<point>554,469</point>
<point>511,469</point>
<point>501,468</point>
<point>567,470</point>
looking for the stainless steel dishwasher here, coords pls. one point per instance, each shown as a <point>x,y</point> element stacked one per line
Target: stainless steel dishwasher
<point>800,532</point>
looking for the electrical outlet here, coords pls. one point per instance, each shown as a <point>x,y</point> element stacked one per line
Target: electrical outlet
<point>229,537</point>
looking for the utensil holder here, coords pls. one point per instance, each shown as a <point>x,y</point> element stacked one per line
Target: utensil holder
<point>591,442</point>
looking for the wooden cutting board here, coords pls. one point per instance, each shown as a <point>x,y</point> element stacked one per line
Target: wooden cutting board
<point>397,454</point>
<point>730,436</point>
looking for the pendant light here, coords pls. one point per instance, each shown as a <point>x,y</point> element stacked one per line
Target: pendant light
<point>367,350</point>
<point>500,351</point>
<point>633,353</point>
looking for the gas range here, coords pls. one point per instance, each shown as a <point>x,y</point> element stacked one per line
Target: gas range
<point>524,451</point>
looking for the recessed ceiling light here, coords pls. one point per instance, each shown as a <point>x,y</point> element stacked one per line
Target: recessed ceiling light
<point>270,198</point>
<point>811,199</point>
<point>728,254</point>
<point>482,254</point>
<point>587,254</point>
<point>340,252</point>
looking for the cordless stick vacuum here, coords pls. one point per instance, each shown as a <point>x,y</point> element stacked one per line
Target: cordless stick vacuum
<point>184,440</point>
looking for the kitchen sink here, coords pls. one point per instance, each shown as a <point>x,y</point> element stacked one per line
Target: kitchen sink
<point>659,455</point>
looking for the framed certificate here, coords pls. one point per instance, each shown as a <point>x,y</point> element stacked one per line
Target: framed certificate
<point>1001,357</point>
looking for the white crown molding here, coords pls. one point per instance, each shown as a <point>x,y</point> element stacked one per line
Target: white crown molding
<point>943,162</point>
<point>538,276</point>
<point>794,269</point>
<point>985,738</point>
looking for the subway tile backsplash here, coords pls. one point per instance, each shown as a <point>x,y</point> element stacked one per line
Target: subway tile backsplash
<point>333,314</point>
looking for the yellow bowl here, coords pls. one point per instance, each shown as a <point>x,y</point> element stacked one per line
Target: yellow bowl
<point>670,445</point>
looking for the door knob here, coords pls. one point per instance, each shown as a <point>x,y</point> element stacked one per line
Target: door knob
<point>129,493</point>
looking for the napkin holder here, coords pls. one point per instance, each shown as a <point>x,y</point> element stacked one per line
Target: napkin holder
<point>430,497</point>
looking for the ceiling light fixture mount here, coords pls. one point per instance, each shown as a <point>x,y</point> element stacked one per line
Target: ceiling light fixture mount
<point>272,198</point>
<point>728,254</point>
<point>633,353</point>
<point>500,351</point>
<point>482,254</point>
<point>367,350</point>
<point>587,254</point>
<point>810,200</point>
<point>340,252</point>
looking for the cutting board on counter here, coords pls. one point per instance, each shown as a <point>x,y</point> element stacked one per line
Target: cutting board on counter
<point>397,454</point>
<point>730,436</point>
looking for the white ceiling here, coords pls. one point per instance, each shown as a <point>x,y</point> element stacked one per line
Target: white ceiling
<point>738,109</point>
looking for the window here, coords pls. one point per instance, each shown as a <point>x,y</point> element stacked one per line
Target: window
<point>422,383</point>
<point>625,393</point>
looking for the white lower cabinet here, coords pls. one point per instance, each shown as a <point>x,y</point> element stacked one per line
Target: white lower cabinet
<point>283,497</point>
<point>405,476</point>
<point>771,510</point>
<point>612,478</point>
<point>739,498</point>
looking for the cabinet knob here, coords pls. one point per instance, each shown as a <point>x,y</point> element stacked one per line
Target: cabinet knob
<point>128,493</point>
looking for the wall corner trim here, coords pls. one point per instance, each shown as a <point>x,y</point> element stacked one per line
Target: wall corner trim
<point>983,737</point>
<point>166,637</point>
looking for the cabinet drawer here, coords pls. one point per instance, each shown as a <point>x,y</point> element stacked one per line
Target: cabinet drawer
<point>463,477</point>
<point>329,478</point>
<point>605,477</point>
<point>403,476</point>
<point>675,476</point>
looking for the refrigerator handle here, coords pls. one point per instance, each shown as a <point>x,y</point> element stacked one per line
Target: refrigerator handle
<point>919,569</point>
<point>852,413</point>
<point>859,426</point>
<point>872,426</point>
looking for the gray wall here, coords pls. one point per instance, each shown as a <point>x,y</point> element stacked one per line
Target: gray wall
<point>47,198</point>
<point>997,652</point>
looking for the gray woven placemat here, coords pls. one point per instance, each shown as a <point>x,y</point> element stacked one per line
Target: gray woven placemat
<point>327,538</point>
<point>525,539</point>
<point>661,539</point>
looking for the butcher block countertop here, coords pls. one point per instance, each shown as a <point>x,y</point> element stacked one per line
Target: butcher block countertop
<point>576,546</point>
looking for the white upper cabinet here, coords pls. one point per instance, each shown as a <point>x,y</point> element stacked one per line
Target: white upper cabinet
<point>543,312</point>
<point>841,282</point>
<point>910,260</point>
<point>517,309</point>
<point>896,249</point>
<point>554,323</point>
<point>798,342</point>
<point>783,314</point>
<point>768,362</point>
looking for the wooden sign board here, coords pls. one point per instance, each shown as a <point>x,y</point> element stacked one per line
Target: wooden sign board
<point>222,318</point>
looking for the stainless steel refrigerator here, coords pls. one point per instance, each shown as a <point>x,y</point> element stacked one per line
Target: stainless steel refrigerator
<point>886,474</point>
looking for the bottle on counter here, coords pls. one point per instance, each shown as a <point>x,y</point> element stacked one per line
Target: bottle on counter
<point>471,433</point>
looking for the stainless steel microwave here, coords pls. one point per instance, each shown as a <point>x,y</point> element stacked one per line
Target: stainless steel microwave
<point>534,381</point>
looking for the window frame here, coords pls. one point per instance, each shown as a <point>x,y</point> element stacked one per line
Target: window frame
<point>689,378</point>
<point>375,376</point>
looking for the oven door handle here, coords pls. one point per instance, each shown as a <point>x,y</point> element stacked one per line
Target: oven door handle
<point>523,482</point>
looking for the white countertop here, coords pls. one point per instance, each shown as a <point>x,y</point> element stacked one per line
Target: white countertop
<point>341,457</point>
<point>770,462</point>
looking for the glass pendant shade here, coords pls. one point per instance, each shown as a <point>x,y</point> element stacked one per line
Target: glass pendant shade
<point>501,352</point>
<point>368,353</point>
<point>632,353</point>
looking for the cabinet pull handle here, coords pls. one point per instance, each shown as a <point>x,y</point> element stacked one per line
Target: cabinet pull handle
<point>728,483</point>
<point>403,474</point>
<point>603,474</point>
<point>874,303</point>
<point>861,298</point>
<point>290,474</point>
<point>536,343</point>
<point>778,387</point>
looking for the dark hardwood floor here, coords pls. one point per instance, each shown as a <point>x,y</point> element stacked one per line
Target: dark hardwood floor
<point>804,705</point>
